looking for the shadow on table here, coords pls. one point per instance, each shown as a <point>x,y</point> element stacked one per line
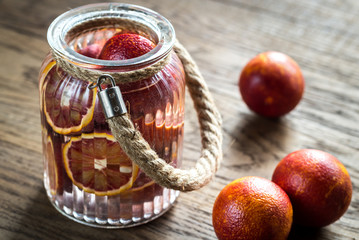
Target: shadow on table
<point>267,127</point>
<point>304,233</point>
<point>258,137</point>
<point>42,221</point>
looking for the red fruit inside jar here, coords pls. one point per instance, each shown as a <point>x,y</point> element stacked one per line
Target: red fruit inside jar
<point>126,46</point>
<point>271,84</point>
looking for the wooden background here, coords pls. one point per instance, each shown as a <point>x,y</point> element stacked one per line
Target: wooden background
<point>322,36</point>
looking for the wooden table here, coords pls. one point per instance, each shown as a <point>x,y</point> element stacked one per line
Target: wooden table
<point>222,36</point>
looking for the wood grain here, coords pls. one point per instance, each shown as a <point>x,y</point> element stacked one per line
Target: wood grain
<point>322,36</point>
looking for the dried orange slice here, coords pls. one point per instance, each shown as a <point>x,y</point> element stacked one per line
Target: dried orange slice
<point>68,102</point>
<point>51,166</point>
<point>44,72</point>
<point>96,163</point>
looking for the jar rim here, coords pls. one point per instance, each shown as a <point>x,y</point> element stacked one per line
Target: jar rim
<point>59,28</point>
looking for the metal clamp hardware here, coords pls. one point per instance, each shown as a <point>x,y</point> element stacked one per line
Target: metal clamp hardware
<point>110,98</point>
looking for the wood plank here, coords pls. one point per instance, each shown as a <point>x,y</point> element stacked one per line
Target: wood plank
<point>222,36</point>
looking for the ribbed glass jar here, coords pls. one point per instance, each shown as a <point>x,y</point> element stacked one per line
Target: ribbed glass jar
<point>87,176</point>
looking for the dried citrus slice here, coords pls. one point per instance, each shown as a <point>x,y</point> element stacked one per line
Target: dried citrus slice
<point>68,102</point>
<point>44,72</point>
<point>96,163</point>
<point>51,166</point>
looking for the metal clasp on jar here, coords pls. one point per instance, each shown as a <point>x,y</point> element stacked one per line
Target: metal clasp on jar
<point>110,98</point>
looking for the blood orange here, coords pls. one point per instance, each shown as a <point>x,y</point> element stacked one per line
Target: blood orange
<point>126,46</point>
<point>271,84</point>
<point>318,185</point>
<point>96,163</point>
<point>252,208</point>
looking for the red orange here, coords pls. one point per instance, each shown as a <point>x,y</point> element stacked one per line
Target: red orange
<point>252,208</point>
<point>317,184</point>
<point>125,46</point>
<point>271,84</point>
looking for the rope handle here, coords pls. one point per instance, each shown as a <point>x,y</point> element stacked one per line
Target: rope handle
<point>131,140</point>
<point>210,121</point>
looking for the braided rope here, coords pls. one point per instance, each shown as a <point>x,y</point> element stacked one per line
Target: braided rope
<point>91,75</point>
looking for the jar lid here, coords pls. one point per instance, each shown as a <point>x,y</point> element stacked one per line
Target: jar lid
<point>158,26</point>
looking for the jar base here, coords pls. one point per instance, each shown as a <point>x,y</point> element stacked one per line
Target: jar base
<point>113,224</point>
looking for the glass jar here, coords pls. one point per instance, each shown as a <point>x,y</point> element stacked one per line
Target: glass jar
<point>87,176</point>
